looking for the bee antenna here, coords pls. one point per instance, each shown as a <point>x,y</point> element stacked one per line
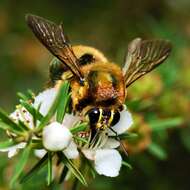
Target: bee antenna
<point>121,143</point>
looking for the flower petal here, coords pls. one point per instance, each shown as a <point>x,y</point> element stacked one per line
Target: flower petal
<point>13,150</point>
<point>40,153</point>
<point>23,115</point>
<point>108,162</point>
<point>56,137</point>
<point>124,123</point>
<point>69,120</point>
<point>45,99</point>
<point>112,143</point>
<point>71,151</point>
<point>89,153</point>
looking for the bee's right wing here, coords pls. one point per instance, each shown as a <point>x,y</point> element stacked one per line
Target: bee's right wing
<point>53,38</point>
<point>143,56</point>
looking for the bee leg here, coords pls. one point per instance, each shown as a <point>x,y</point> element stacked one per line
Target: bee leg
<point>121,143</point>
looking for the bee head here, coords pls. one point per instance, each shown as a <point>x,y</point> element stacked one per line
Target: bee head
<point>103,118</point>
<point>87,54</point>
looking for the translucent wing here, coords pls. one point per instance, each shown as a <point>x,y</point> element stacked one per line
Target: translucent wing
<point>53,38</point>
<point>143,56</point>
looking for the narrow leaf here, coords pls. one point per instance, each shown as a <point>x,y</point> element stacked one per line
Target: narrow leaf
<point>20,165</point>
<point>63,174</point>
<point>52,109</point>
<point>7,144</point>
<point>35,169</point>
<point>64,100</point>
<point>69,164</point>
<point>34,112</point>
<point>13,126</point>
<point>49,177</point>
<point>126,164</point>
<point>128,136</point>
<point>23,126</point>
<point>79,127</point>
<point>22,96</point>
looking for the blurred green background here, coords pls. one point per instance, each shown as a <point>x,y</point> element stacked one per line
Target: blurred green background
<point>160,102</point>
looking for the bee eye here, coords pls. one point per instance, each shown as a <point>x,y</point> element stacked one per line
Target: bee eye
<point>94,115</point>
<point>116,118</point>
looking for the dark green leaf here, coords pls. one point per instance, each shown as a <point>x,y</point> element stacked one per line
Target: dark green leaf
<point>35,169</point>
<point>80,139</point>
<point>53,108</point>
<point>21,164</point>
<point>63,174</point>
<point>12,125</point>
<point>69,164</point>
<point>26,128</point>
<point>34,112</point>
<point>79,127</point>
<point>63,103</point>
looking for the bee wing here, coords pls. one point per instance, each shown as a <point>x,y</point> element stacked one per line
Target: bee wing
<point>53,38</point>
<point>143,56</point>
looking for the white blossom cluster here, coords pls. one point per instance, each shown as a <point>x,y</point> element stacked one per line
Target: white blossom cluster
<point>58,137</point>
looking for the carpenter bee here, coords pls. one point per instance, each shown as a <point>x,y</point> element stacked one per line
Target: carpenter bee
<point>98,86</point>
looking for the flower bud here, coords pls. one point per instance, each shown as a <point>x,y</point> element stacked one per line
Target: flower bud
<point>56,137</point>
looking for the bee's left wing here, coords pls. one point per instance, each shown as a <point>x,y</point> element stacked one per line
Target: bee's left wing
<point>53,38</point>
<point>143,56</point>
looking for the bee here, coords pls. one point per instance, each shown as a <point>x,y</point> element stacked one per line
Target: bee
<point>98,86</point>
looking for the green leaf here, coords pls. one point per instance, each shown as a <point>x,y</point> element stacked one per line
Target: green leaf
<point>49,177</point>
<point>7,144</point>
<point>127,135</point>
<point>80,139</point>
<point>53,108</point>
<point>26,128</point>
<point>126,164</point>
<point>64,100</point>
<point>157,151</point>
<point>34,112</point>
<point>12,125</point>
<point>69,164</point>
<point>35,168</point>
<point>21,164</point>
<point>79,127</point>
<point>158,125</point>
<point>22,96</point>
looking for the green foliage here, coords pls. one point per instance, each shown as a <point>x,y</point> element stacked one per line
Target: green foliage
<point>69,164</point>
<point>20,164</point>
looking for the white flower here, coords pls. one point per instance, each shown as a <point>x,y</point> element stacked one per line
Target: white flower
<point>13,150</point>
<point>56,137</point>
<point>124,123</point>
<point>70,120</point>
<point>107,160</point>
<point>45,100</point>
<point>23,115</point>
<point>71,151</point>
<point>40,153</point>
